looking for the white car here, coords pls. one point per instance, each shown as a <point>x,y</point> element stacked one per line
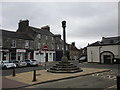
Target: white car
<point>6,64</point>
<point>20,63</point>
<point>31,62</point>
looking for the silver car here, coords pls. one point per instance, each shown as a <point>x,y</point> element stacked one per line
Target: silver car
<point>19,63</point>
<point>31,62</point>
<point>6,64</point>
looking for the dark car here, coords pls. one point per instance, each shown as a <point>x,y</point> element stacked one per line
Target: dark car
<point>82,59</point>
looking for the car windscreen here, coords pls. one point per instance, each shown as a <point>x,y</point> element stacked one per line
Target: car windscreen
<point>27,60</point>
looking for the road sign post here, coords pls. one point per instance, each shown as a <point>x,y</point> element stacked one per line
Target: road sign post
<point>45,48</point>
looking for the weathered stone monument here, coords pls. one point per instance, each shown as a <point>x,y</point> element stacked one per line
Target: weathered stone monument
<point>64,66</point>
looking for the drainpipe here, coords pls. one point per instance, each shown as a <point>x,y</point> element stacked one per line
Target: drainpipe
<point>99,53</point>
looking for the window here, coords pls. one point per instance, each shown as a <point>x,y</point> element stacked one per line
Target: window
<point>46,37</point>
<point>52,46</point>
<point>39,45</point>
<point>0,42</point>
<point>39,36</point>
<point>52,38</point>
<point>13,44</point>
<point>58,47</point>
<point>26,44</point>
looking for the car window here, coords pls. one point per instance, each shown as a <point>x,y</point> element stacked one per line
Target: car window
<point>27,60</point>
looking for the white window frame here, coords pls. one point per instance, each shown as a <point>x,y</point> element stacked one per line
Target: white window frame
<point>26,43</point>
<point>39,36</point>
<point>46,37</point>
<point>13,44</point>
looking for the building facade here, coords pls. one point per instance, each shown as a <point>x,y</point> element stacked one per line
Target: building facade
<point>74,52</point>
<point>28,43</point>
<point>105,51</point>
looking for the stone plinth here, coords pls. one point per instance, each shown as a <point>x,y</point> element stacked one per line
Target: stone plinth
<point>64,67</point>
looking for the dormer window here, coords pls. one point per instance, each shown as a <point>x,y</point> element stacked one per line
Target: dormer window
<point>13,44</point>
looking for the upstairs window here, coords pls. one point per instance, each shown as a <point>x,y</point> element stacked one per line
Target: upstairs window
<point>39,45</point>
<point>13,44</point>
<point>26,44</point>
<point>46,37</point>
<point>52,38</point>
<point>39,36</point>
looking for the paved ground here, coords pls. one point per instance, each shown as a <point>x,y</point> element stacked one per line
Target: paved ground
<point>9,83</point>
<point>43,76</point>
<point>79,82</point>
<point>24,76</point>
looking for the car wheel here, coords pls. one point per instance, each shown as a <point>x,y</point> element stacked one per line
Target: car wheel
<point>5,67</point>
<point>28,64</point>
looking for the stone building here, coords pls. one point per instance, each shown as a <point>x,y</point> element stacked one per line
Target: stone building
<point>28,43</point>
<point>104,51</point>
<point>74,52</point>
<point>15,45</point>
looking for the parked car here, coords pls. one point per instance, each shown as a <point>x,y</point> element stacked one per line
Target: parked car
<point>82,59</point>
<point>6,64</point>
<point>31,62</point>
<point>20,63</point>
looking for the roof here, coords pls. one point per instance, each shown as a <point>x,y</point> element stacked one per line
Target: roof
<point>41,31</point>
<point>107,41</point>
<point>11,34</point>
<point>72,47</point>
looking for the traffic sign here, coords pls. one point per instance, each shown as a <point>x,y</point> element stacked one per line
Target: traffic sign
<point>45,48</point>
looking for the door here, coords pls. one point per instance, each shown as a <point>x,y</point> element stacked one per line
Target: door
<point>107,59</point>
<point>46,57</point>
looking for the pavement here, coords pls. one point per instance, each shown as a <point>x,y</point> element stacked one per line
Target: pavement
<point>42,76</point>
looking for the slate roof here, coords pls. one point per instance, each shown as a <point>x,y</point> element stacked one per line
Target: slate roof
<point>41,31</point>
<point>107,41</point>
<point>11,34</point>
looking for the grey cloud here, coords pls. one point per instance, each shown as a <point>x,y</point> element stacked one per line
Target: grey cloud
<point>86,22</point>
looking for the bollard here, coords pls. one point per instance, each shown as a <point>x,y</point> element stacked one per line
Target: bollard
<point>118,82</point>
<point>34,76</point>
<point>13,74</point>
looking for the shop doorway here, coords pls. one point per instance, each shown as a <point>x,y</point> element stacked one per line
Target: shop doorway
<point>46,57</point>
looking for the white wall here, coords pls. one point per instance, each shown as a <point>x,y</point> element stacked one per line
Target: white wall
<point>41,57</point>
<point>0,56</point>
<point>95,56</point>
<point>111,48</point>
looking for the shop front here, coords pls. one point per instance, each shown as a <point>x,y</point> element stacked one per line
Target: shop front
<point>4,54</point>
<point>44,56</point>
<point>29,54</point>
<point>20,54</point>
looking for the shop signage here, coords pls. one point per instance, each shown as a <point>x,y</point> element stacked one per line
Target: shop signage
<point>4,50</point>
<point>20,50</point>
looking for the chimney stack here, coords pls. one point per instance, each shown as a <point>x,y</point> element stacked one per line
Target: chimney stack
<point>47,27</point>
<point>23,24</point>
<point>73,43</point>
<point>57,35</point>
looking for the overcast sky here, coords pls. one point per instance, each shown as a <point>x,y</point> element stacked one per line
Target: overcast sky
<point>87,22</point>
